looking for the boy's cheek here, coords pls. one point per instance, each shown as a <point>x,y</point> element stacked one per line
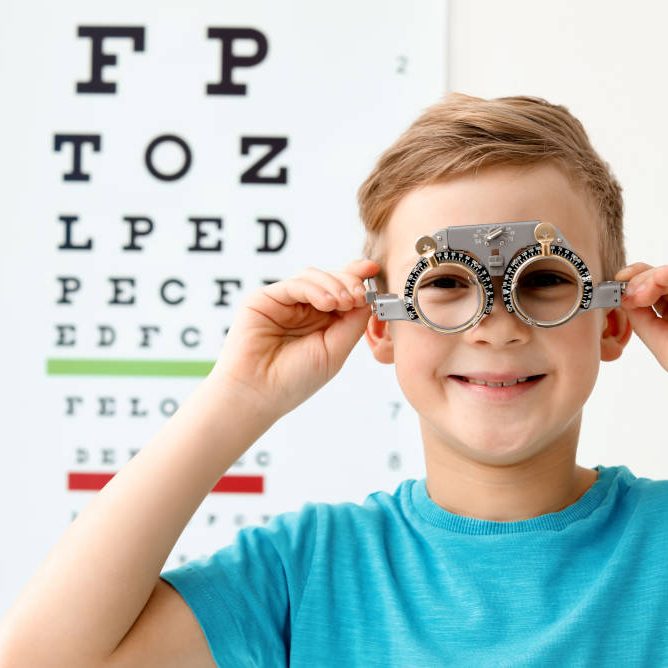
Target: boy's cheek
<point>578,346</point>
<point>413,341</point>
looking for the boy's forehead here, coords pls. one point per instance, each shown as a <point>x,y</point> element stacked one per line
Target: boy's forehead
<point>493,195</point>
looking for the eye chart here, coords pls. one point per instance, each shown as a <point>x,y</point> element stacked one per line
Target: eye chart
<point>167,160</point>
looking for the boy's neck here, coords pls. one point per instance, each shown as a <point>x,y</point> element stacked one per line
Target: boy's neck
<point>547,483</point>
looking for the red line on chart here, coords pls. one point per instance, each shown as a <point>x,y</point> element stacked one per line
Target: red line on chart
<point>237,484</point>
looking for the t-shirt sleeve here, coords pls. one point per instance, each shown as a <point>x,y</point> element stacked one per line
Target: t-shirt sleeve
<point>246,595</point>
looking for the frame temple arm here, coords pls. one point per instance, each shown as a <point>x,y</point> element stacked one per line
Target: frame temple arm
<point>607,294</point>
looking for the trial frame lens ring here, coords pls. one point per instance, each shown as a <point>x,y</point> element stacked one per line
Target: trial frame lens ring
<point>473,280</point>
<point>522,314</point>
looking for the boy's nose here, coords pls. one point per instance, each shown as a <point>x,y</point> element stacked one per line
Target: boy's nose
<point>500,327</point>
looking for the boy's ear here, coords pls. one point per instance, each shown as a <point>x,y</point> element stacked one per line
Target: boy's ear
<point>615,335</point>
<point>379,339</point>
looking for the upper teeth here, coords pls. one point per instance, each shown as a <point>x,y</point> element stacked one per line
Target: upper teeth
<point>505,383</point>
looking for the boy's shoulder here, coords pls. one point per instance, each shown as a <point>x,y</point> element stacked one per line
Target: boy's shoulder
<point>378,510</point>
<point>652,491</point>
<point>376,505</point>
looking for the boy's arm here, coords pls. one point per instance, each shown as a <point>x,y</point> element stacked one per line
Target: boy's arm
<point>90,594</point>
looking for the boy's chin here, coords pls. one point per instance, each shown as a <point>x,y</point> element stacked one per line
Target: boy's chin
<point>499,453</point>
<point>501,458</point>
<point>490,447</point>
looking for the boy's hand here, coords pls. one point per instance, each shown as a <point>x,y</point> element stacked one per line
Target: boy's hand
<point>289,338</point>
<point>646,302</point>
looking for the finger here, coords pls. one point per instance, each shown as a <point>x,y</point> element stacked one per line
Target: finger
<point>355,286</point>
<point>361,269</point>
<point>330,282</point>
<point>302,291</point>
<point>633,275</point>
<point>628,272</point>
<point>648,288</point>
<point>351,279</point>
<point>661,307</point>
<point>343,334</point>
<point>364,268</point>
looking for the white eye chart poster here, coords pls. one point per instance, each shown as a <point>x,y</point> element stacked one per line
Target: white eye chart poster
<point>161,161</point>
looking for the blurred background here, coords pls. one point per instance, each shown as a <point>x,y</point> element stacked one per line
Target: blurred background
<point>162,160</point>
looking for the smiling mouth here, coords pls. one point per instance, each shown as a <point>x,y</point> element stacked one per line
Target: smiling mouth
<point>505,383</point>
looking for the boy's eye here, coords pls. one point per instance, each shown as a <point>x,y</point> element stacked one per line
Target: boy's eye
<point>544,279</point>
<point>445,282</point>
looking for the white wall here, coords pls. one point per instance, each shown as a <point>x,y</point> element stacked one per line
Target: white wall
<point>606,62</point>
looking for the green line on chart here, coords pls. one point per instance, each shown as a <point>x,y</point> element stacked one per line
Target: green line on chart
<point>109,367</point>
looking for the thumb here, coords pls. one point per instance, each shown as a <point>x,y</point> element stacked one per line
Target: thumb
<point>341,337</point>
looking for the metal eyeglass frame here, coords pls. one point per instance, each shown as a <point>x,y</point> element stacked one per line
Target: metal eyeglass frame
<point>501,249</point>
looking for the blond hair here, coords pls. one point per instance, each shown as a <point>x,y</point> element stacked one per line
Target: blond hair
<point>462,134</point>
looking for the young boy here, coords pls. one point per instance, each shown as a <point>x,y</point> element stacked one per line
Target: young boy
<point>507,554</point>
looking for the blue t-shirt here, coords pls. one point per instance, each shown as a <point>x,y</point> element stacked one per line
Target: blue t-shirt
<point>398,581</point>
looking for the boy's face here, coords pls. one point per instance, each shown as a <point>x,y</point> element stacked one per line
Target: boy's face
<point>490,426</point>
